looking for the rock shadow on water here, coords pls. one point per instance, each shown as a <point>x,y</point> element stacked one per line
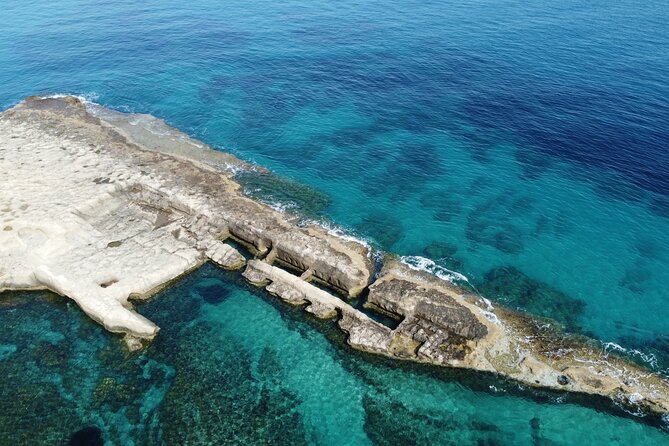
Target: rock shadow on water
<point>213,291</point>
<point>517,290</point>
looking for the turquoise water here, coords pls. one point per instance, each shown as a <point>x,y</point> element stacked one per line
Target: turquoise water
<point>233,367</point>
<point>523,145</point>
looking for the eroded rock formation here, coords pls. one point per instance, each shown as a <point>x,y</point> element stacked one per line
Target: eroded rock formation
<point>91,213</point>
<point>99,210</point>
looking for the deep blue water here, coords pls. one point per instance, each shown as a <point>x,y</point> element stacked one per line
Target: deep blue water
<point>523,144</point>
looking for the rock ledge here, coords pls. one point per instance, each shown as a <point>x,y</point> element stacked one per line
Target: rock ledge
<point>102,211</point>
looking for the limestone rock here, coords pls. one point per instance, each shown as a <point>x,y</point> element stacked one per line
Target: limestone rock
<point>100,210</point>
<point>321,310</point>
<point>364,333</point>
<point>225,255</point>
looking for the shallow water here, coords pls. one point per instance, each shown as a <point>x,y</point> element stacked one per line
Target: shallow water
<point>521,145</point>
<point>232,366</point>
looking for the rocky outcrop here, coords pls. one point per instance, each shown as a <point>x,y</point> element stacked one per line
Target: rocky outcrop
<point>443,325</point>
<point>101,211</point>
<point>434,323</point>
<point>364,333</point>
<point>94,210</point>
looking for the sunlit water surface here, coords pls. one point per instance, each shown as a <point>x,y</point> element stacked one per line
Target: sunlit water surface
<point>523,145</point>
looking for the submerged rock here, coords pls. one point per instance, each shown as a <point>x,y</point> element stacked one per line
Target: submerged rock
<point>515,289</point>
<point>100,212</point>
<point>283,191</point>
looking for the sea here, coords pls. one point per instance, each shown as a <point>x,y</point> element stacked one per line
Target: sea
<point>521,147</point>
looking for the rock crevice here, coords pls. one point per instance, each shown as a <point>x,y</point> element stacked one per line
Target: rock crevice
<point>101,211</point>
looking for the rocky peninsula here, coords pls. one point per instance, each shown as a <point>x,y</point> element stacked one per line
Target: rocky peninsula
<point>102,211</point>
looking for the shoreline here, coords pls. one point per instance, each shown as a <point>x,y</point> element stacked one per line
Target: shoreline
<point>173,212</point>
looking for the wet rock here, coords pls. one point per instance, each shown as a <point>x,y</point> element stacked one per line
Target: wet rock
<point>341,263</point>
<point>294,290</point>
<point>321,310</point>
<point>410,300</point>
<point>132,343</point>
<point>403,346</point>
<point>436,327</point>
<point>365,333</point>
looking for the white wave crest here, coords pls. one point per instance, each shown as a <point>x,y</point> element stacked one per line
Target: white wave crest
<point>280,206</point>
<point>86,98</point>
<point>419,263</point>
<point>492,317</point>
<point>338,231</point>
<point>647,358</point>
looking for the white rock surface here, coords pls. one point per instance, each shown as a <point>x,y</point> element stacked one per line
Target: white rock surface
<point>68,225</point>
<point>70,222</point>
<point>102,207</point>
